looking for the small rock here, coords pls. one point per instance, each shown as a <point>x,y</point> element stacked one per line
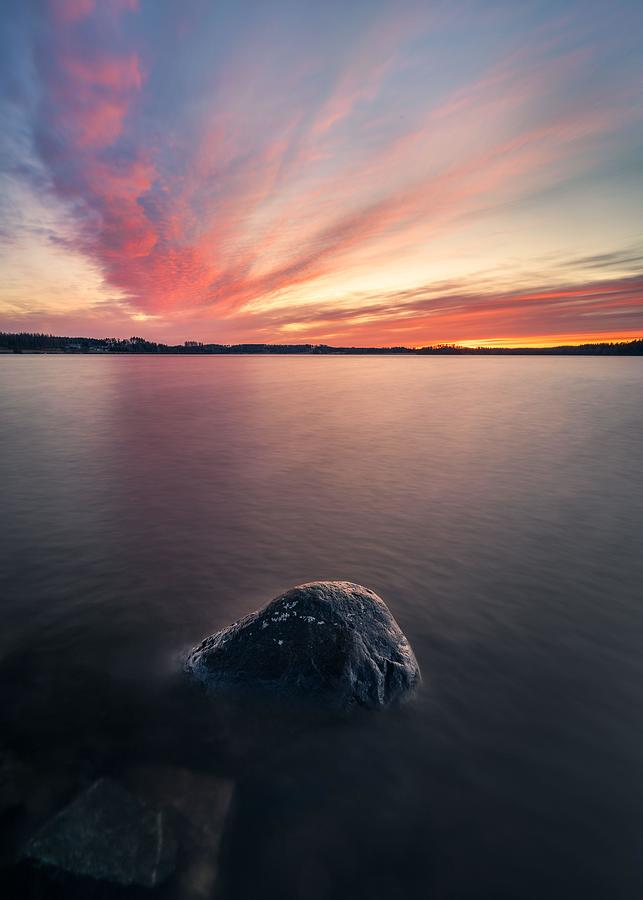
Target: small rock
<point>332,639</point>
<point>108,834</point>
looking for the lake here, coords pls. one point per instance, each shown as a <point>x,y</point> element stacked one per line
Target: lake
<point>496,504</point>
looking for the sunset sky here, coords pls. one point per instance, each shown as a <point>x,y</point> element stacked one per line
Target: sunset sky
<point>354,172</point>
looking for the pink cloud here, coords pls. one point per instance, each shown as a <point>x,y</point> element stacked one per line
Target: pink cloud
<point>69,11</point>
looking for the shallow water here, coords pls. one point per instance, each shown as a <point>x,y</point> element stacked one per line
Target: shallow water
<point>495,504</point>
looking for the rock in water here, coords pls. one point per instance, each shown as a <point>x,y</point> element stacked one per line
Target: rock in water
<point>108,834</point>
<point>331,638</point>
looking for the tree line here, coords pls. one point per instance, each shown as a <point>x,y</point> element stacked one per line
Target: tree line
<point>39,342</point>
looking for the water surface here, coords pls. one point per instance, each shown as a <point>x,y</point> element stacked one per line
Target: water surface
<point>495,504</point>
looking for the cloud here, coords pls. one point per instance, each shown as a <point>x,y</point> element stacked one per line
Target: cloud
<point>243,189</point>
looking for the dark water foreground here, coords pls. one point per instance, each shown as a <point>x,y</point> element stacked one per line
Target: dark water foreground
<point>495,504</point>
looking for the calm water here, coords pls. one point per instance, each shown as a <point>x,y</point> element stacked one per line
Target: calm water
<point>495,504</point>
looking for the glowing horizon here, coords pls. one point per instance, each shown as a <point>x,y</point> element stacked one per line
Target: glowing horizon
<point>308,173</point>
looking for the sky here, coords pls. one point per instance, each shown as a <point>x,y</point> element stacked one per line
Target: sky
<point>368,172</point>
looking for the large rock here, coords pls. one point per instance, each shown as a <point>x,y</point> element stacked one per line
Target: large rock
<point>333,639</point>
<point>108,834</point>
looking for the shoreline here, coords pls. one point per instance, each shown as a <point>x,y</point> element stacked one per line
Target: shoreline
<point>36,344</point>
<point>545,351</point>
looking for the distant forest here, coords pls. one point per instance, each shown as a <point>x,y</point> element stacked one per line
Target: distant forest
<point>27,342</point>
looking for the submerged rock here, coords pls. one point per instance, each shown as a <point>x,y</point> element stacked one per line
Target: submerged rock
<point>199,804</point>
<point>333,639</point>
<point>108,834</point>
